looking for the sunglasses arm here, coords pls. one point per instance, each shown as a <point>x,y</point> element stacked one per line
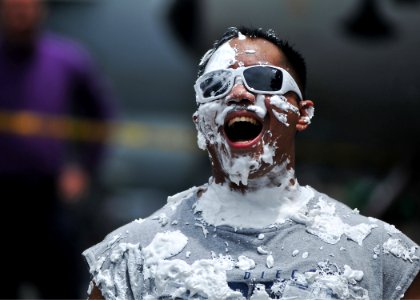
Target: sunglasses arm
<point>290,85</point>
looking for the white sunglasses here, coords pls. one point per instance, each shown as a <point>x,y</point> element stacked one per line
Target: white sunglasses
<point>262,79</point>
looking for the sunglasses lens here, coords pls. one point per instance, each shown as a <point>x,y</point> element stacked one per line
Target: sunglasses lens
<point>215,83</point>
<point>264,78</point>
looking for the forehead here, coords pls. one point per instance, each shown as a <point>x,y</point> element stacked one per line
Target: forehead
<point>246,51</point>
<point>256,51</point>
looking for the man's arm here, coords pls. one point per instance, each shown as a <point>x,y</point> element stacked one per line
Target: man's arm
<point>413,291</point>
<point>96,294</point>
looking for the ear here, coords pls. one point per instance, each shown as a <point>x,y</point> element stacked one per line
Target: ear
<point>195,118</point>
<point>306,109</point>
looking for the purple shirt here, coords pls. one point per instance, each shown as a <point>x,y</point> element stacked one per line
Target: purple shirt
<point>55,78</point>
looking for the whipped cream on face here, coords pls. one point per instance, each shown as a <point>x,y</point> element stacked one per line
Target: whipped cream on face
<point>210,118</point>
<point>281,102</point>
<point>241,36</point>
<point>223,58</point>
<point>259,107</point>
<point>240,167</point>
<point>281,117</point>
<point>310,111</point>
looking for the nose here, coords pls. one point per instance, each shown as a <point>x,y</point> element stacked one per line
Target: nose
<point>239,94</point>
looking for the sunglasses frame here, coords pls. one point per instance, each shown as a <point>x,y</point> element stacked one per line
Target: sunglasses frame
<point>288,83</point>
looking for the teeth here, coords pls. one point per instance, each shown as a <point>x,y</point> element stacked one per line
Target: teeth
<point>242,119</point>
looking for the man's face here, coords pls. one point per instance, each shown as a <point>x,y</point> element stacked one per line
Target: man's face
<point>247,133</point>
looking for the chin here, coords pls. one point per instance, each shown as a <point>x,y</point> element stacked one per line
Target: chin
<point>242,163</point>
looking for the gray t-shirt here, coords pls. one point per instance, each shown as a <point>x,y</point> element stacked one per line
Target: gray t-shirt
<point>329,252</point>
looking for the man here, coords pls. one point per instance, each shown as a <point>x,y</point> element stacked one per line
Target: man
<point>252,232</point>
<point>45,81</point>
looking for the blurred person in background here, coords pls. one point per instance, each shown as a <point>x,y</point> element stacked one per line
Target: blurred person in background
<point>48,159</point>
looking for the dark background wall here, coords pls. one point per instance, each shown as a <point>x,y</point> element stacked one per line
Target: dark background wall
<point>363,75</point>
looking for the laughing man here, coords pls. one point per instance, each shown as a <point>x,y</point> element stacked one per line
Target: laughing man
<point>253,232</point>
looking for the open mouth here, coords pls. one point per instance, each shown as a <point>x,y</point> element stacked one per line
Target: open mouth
<point>243,130</point>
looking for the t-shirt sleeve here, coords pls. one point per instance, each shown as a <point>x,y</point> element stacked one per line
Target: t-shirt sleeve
<point>400,262</point>
<point>116,267</point>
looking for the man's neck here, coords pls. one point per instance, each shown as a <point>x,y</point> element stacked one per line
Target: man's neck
<point>279,176</point>
<point>256,205</point>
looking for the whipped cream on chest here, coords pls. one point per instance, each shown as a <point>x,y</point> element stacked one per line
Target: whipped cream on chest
<point>257,209</point>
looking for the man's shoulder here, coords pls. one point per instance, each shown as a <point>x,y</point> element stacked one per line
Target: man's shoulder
<point>123,248</point>
<point>354,224</point>
<point>325,202</point>
<point>141,231</point>
<point>334,218</point>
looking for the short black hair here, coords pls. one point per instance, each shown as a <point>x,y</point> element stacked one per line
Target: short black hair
<point>295,59</point>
